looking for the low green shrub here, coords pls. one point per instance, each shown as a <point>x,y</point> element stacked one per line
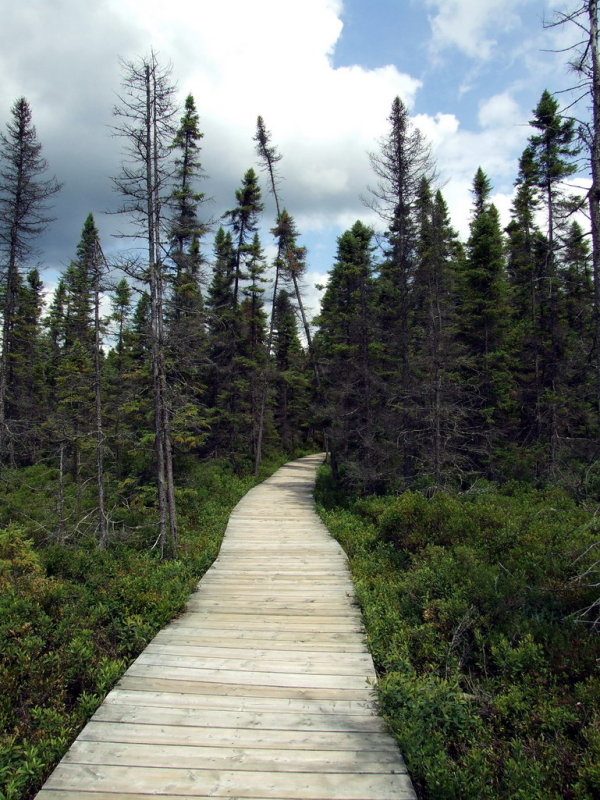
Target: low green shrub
<point>474,611</point>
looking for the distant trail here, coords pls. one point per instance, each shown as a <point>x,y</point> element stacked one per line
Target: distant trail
<point>262,689</point>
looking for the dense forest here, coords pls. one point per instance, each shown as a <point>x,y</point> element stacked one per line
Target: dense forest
<point>454,385</point>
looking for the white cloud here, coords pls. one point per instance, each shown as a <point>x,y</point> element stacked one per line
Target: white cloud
<point>470,25</point>
<point>499,111</point>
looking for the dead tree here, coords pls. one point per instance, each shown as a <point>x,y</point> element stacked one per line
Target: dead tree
<point>145,113</point>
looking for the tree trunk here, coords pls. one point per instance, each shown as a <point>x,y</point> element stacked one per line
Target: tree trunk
<point>102,527</point>
<point>594,196</point>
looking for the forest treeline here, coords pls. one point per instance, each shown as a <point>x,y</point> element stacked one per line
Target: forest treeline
<point>446,361</point>
<point>434,362</point>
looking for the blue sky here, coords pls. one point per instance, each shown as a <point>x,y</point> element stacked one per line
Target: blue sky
<point>323,74</point>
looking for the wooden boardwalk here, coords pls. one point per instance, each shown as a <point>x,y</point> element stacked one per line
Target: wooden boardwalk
<point>262,689</point>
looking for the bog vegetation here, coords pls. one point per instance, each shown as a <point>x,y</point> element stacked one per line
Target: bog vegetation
<point>455,385</point>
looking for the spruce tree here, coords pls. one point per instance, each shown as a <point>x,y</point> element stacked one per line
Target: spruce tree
<point>553,151</point>
<point>482,328</point>
<point>244,224</point>
<point>224,332</point>
<point>291,391</point>
<point>402,161</point>
<point>436,397</point>
<point>24,196</point>
<point>186,317</point>
<point>526,250</point>
<point>348,353</point>
<point>26,399</point>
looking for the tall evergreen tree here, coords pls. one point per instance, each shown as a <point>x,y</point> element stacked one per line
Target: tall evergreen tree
<point>348,352</point>
<point>436,395</point>
<point>526,251</point>
<point>291,391</point>
<point>244,224</point>
<point>224,332</point>
<point>186,356</point>
<point>482,327</point>
<point>402,161</point>
<point>289,261</point>
<point>26,399</point>
<point>24,196</point>
<point>553,151</point>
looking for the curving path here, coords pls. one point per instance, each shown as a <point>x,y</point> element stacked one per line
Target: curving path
<point>262,689</point>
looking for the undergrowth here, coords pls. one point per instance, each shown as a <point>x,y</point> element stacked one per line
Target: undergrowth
<point>474,607</point>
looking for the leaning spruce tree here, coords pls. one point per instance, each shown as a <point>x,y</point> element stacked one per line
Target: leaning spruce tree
<point>24,196</point>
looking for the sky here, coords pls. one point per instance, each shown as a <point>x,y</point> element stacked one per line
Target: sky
<point>322,73</point>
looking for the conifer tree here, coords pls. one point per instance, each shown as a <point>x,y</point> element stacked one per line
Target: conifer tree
<point>526,251</point>
<point>224,332</point>
<point>347,350</point>
<point>553,151</point>
<point>244,224</point>
<point>26,399</point>
<point>24,196</point>
<point>402,161</point>
<point>482,327</point>
<point>291,399</point>
<point>436,396</point>
<point>252,350</point>
<point>186,317</point>
<point>289,262</point>
<point>75,391</point>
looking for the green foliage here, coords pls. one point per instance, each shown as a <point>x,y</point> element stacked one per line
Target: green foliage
<point>475,618</point>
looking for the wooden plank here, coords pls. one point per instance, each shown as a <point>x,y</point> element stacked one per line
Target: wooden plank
<point>341,710</point>
<point>232,784</point>
<point>266,644</point>
<point>134,754</point>
<point>226,677</point>
<point>254,735</point>
<point>253,622</point>
<point>300,656</point>
<point>242,690</point>
<point>264,720</point>
<point>256,664</point>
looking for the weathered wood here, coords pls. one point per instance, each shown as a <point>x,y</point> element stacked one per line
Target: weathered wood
<point>232,783</point>
<point>262,689</point>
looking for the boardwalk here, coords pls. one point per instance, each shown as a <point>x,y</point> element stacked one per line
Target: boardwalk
<point>262,689</point>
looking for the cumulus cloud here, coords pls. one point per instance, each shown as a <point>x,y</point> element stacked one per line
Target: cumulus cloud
<point>239,59</point>
<point>470,26</point>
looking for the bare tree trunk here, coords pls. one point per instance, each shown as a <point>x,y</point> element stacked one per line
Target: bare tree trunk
<point>60,499</point>
<point>155,308</point>
<point>102,527</point>
<point>594,196</point>
<point>165,422</point>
